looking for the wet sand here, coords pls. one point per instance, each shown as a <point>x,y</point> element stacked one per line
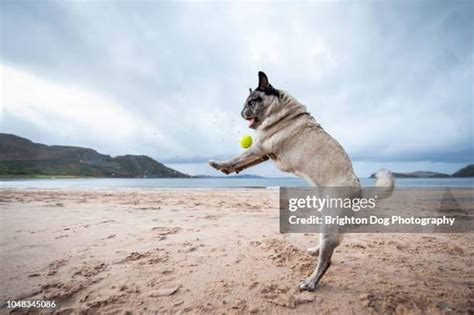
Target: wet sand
<point>198,251</point>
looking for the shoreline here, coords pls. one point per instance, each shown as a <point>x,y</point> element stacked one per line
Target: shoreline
<point>106,184</point>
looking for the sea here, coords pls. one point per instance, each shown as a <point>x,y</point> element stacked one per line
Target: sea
<point>206,183</point>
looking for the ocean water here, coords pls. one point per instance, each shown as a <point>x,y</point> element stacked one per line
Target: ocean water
<point>206,183</point>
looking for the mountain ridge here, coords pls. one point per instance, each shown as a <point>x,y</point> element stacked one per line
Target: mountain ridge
<point>467,171</point>
<point>22,157</point>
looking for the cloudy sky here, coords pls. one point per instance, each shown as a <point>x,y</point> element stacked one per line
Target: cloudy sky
<point>392,81</point>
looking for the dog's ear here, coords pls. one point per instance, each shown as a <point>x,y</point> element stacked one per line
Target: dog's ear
<point>265,86</point>
<point>262,80</point>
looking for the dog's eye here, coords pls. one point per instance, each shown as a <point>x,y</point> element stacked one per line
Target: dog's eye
<point>252,103</point>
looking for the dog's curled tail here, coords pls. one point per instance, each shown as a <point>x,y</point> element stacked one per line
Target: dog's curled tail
<point>384,179</point>
<point>384,183</point>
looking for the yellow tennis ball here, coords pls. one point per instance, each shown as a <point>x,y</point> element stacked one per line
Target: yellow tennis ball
<point>246,141</point>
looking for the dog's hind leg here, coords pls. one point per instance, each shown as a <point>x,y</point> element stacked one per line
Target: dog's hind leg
<point>328,242</point>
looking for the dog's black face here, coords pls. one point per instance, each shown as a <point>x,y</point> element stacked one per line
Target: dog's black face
<point>254,109</point>
<point>258,101</point>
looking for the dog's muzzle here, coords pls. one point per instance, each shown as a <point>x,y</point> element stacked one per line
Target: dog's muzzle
<point>248,115</point>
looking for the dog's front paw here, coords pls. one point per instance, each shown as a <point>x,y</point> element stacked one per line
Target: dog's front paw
<point>213,164</point>
<point>307,284</point>
<point>219,166</point>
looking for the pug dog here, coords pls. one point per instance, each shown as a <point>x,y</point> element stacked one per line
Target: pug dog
<point>295,142</point>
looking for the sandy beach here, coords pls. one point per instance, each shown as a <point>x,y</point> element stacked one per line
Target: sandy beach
<point>213,251</point>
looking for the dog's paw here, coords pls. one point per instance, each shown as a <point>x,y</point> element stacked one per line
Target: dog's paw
<point>313,251</point>
<point>219,166</point>
<point>213,164</point>
<point>307,285</point>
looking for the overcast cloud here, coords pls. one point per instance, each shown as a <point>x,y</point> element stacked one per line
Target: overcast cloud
<point>391,81</point>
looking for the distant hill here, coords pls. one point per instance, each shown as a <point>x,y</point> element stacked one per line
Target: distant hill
<point>467,171</point>
<point>20,156</point>
<point>417,174</point>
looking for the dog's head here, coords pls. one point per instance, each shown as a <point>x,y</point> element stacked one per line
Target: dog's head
<point>258,102</point>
